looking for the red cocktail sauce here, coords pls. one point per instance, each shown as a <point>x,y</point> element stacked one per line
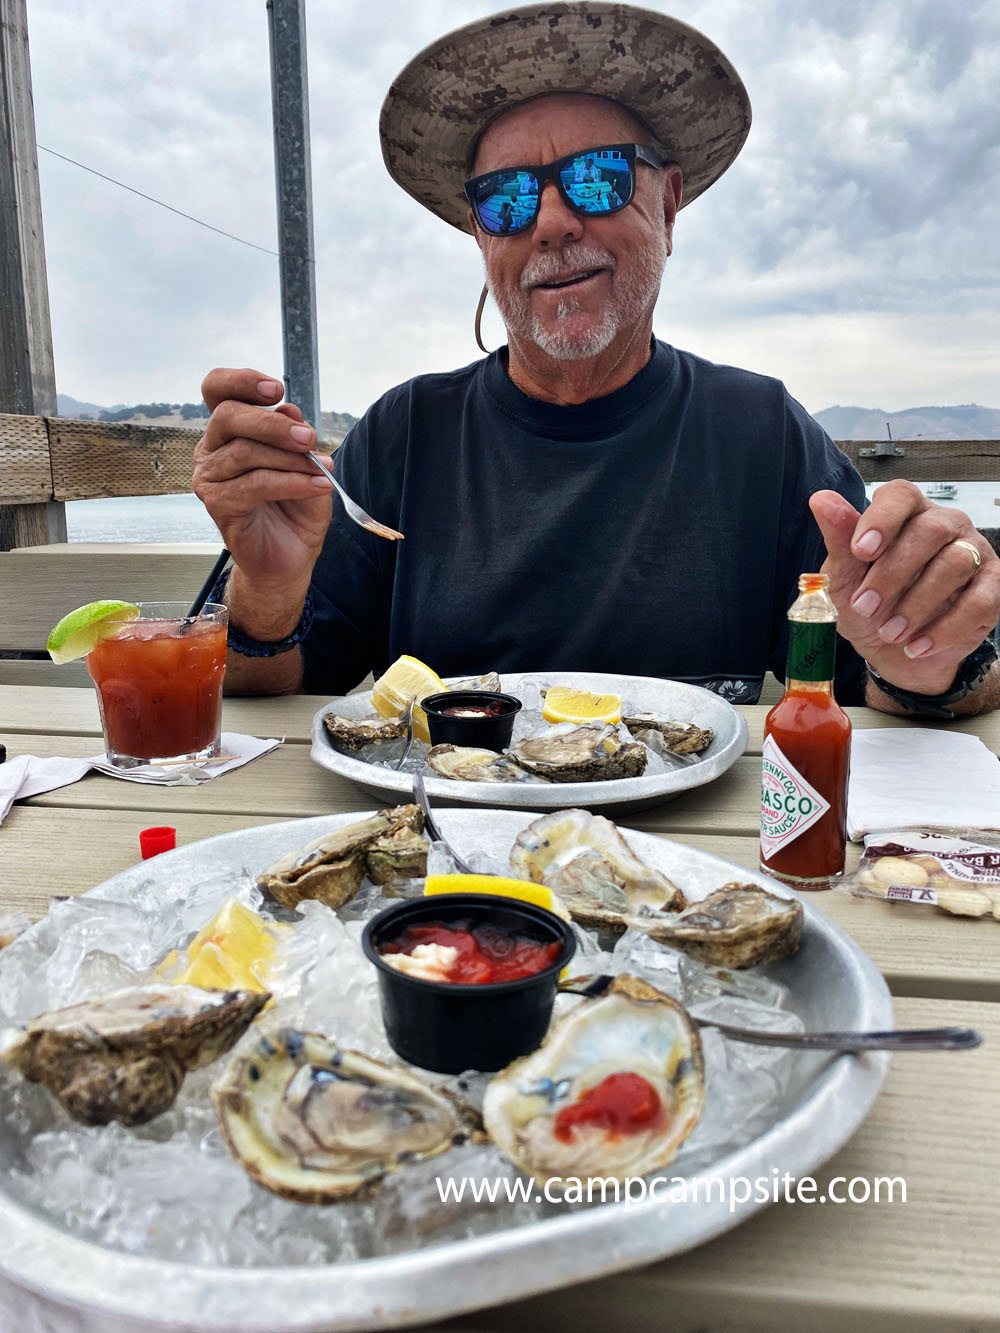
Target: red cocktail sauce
<point>475,710</point>
<point>485,952</point>
<point>621,1104</point>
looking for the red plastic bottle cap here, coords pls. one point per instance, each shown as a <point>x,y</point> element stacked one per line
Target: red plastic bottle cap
<point>152,841</point>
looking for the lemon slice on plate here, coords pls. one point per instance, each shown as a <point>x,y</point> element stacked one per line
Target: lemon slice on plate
<point>563,704</point>
<point>81,630</point>
<point>234,949</point>
<point>525,889</point>
<point>406,681</point>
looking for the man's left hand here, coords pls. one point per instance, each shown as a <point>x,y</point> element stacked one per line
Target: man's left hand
<point>911,601</point>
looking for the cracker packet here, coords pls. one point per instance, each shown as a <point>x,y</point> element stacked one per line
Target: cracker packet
<point>955,870</point>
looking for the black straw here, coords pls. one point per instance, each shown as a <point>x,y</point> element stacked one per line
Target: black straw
<point>209,583</point>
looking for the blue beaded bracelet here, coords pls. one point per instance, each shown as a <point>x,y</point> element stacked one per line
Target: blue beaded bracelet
<point>247,647</point>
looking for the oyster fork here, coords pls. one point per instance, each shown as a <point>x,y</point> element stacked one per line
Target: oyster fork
<point>431,828</point>
<point>351,507</point>
<point>901,1039</point>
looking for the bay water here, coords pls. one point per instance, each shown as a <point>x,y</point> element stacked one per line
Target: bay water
<point>183,518</point>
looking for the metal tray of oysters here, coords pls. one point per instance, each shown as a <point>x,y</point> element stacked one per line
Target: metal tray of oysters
<point>109,1228</point>
<point>669,766</point>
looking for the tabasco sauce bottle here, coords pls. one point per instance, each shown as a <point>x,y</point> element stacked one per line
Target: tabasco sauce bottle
<point>807,752</point>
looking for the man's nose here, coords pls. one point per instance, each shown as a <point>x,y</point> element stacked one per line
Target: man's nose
<point>556,221</point>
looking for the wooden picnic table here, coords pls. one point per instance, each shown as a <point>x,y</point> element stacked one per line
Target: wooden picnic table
<point>928,1263</point>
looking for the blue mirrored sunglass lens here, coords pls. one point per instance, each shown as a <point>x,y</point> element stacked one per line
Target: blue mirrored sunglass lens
<point>507,202</point>
<point>598,183</point>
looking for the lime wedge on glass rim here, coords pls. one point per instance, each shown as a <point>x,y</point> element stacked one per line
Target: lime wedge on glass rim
<point>81,630</point>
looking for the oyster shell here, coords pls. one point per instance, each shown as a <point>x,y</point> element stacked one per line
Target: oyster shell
<point>332,867</point>
<point>736,926</point>
<point>315,1123</point>
<point>354,733</point>
<point>465,763</point>
<point>678,737</point>
<point>399,854</point>
<point>536,1109</point>
<point>489,681</point>
<point>586,861</point>
<point>123,1056</point>
<point>593,752</point>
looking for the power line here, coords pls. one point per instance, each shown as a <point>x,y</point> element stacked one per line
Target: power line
<point>169,207</point>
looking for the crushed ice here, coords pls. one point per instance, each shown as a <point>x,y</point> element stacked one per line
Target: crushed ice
<point>169,1189</point>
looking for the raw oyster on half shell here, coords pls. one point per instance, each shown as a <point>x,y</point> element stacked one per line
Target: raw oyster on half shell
<point>123,1056</point>
<point>594,752</point>
<point>315,1123</point>
<point>466,763</point>
<point>678,737</point>
<point>585,860</point>
<point>388,844</point>
<point>354,733</point>
<point>736,926</point>
<point>490,681</point>
<point>614,1090</point>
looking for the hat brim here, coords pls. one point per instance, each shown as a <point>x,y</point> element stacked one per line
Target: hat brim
<point>668,74</point>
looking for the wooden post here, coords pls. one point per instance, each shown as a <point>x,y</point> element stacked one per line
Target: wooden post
<point>27,373</point>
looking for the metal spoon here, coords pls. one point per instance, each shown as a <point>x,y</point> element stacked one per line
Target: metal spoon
<point>431,828</point>
<point>903,1039</point>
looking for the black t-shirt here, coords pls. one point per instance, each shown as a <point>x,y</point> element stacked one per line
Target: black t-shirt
<point>658,531</point>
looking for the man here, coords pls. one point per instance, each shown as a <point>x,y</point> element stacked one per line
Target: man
<point>587,173</point>
<point>586,498</point>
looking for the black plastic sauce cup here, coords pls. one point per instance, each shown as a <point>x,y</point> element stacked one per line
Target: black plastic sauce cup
<point>449,1028</point>
<point>489,730</point>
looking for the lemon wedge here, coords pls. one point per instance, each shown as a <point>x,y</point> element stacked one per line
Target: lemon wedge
<point>525,889</point>
<point>234,949</point>
<point>81,630</point>
<point>563,704</point>
<point>406,681</point>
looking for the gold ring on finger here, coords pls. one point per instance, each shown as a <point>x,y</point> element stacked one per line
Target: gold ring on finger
<point>977,559</point>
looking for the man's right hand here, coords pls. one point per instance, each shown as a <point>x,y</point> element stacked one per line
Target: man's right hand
<point>252,475</point>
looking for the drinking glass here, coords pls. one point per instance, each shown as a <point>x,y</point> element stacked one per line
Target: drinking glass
<point>159,684</point>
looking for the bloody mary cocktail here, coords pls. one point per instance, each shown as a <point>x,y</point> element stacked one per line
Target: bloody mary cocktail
<point>159,684</point>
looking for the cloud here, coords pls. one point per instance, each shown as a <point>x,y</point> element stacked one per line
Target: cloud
<point>850,247</point>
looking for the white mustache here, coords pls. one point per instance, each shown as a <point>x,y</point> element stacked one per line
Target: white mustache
<point>562,263</point>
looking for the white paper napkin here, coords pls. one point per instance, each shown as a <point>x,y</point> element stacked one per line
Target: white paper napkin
<point>27,775</point>
<point>914,777</point>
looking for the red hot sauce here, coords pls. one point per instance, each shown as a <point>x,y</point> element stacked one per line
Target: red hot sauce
<point>806,753</point>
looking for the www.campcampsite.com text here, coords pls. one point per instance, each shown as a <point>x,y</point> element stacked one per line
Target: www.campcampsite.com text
<point>736,1191</point>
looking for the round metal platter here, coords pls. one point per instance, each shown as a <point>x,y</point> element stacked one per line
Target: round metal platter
<point>57,1280</point>
<point>667,698</point>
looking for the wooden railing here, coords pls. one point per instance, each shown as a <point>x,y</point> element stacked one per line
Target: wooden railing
<point>49,460</point>
<point>54,459</point>
<point>925,460</point>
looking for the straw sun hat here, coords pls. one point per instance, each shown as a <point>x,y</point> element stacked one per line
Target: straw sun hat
<point>675,80</point>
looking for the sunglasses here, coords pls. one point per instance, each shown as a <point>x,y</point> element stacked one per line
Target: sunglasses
<point>595,180</point>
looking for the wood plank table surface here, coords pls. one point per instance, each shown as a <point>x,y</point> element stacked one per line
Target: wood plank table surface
<point>928,1263</point>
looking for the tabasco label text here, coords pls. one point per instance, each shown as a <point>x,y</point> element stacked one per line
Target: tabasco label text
<point>788,803</point>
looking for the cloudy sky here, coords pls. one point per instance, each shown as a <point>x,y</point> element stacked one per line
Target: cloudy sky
<point>851,249</point>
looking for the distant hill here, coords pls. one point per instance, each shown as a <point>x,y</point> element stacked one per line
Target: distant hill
<point>966,422</point>
<point>191,415</point>
<point>72,407</point>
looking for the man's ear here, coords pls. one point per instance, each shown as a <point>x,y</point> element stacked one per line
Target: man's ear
<point>476,233</point>
<point>673,189</point>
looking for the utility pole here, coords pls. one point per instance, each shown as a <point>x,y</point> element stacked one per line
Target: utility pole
<point>293,180</point>
<point>27,373</point>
